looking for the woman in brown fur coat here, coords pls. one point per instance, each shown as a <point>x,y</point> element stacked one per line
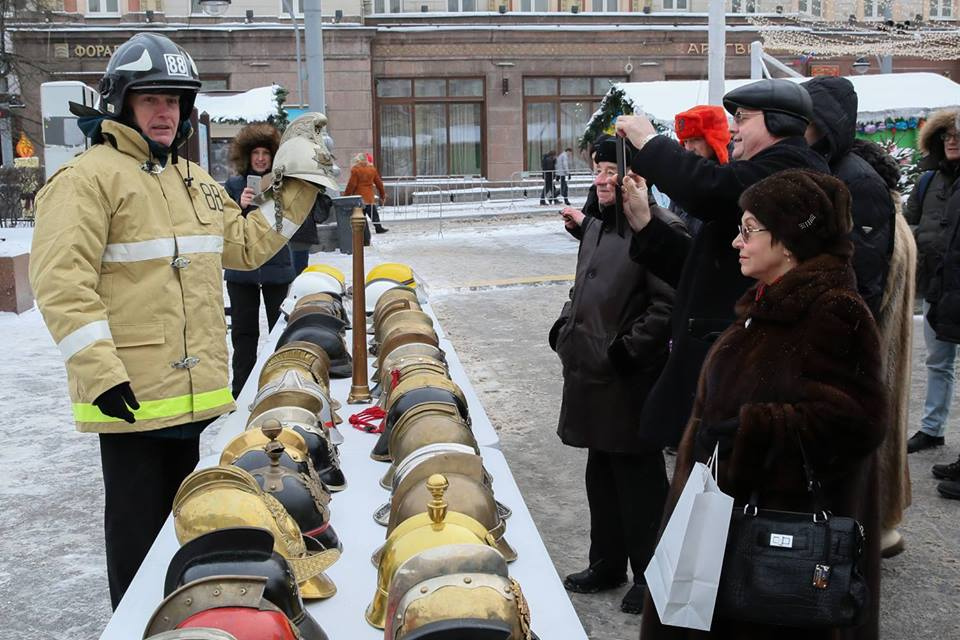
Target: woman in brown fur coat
<point>802,359</point>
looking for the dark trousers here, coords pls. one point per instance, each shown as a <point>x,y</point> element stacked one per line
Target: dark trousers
<point>563,187</point>
<point>245,324</point>
<point>300,260</point>
<point>373,214</point>
<point>626,494</point>
<point>141,475</point>
<point>548,190</point>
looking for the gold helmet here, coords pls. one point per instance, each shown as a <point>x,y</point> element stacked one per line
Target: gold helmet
<point>465,495</point>
<point>291,416</point>
<point>227,496</point>
<point>453,587</point>
<point>409,316</point>
<point>390,304</point>
<point>306,356</point>
<point>293,388</point>
<point>426,424</point>
<point>435,528</point>
<point>407,350</point>
<point>400,335</point>
<point>405,367</point>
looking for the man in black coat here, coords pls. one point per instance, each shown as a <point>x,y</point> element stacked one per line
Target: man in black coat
<point>769,119</point>
<point>612,341</point>
<point>831,133</point>
<point>548,163</point>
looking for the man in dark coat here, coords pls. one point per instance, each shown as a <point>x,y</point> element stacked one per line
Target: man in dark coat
<point>548,164</point>
<point>612,340</point>
<point>769,119</point>
<point>927,209</point>
<point>831,133</point>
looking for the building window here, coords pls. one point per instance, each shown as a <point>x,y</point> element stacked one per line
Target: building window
<point>387,6</point>
<point>675,5</point>
<point>810,7</point>
<point>556,111</point>
<point>748,6</point>
<point>430,126</point>
<point>461,6</point>
<point>599,6</point>
<point>535,5</point>
<point>942,9</point>
<point>103,7</point>
<point>871,9</point>
<point>297,7</point>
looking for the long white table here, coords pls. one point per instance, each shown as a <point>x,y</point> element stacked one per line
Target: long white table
<point>352,510</point>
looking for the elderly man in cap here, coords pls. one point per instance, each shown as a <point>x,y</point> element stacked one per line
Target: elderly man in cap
<point>769,120</point>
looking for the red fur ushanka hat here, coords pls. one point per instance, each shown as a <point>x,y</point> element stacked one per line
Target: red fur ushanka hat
<point>707,122</point>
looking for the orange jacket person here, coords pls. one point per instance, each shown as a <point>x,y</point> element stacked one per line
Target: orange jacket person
<point>363,177</point>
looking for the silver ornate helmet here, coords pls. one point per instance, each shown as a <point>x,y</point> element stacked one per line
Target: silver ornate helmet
<point>303,152</point>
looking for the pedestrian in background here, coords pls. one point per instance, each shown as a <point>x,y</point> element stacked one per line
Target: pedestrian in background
<point>612,341</point>
<point>800,367</point>
<point>564,161</point>
<point>548,165</point>
<point>939,140</point>
<point>364,177</point>
<point>251,154</point>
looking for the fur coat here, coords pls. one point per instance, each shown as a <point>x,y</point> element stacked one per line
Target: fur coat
<point>802,359</point>
<point>895,322</point>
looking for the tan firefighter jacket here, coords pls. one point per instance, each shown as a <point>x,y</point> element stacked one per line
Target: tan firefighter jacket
<point>126,266</point>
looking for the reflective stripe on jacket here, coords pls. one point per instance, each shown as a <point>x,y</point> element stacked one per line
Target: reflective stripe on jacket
<point>126,266</point>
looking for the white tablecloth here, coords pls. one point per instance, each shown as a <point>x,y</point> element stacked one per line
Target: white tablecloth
<point>352,517</point>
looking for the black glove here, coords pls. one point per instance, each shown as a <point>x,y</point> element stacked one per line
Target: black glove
<point>113,402</point>
<point>718,434</point>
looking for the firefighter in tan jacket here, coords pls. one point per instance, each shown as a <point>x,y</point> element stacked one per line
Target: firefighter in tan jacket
<point>126,265</point>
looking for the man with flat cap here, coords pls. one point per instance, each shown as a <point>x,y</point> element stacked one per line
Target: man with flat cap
<point>769,120</point>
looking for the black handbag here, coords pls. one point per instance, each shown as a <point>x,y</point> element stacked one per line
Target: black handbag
<point>792,569</point>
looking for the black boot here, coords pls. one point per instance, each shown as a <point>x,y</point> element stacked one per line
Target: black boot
<point>592,580</point>
<point>921,440</point>
<point>633,601</point>
<point>947,471</point>
<point>380,229</point>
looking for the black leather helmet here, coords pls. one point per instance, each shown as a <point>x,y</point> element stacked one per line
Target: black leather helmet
<point>243,551</point>
<point>149,62</point>
<point>410,399</point>
<point>325,332</point>
<point>787,107</point>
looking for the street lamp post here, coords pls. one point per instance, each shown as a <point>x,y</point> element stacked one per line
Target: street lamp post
<point>313,36</point>
<point>288,7</point>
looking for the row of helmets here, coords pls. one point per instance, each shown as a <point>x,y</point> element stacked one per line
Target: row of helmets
<point>442,571</point>
<point>255,530</point>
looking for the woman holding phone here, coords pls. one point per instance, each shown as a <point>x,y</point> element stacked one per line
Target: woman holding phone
<point>251,155</point>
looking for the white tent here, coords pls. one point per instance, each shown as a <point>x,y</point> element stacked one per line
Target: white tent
<point>881,96</point>
<point>255,105</point>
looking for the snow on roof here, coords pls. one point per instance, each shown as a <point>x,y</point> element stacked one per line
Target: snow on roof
<point>894,95</point>
<point>255,105</point>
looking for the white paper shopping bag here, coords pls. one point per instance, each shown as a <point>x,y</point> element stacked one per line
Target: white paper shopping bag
<point>684,573</point>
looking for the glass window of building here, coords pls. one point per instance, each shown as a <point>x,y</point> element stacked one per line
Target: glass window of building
<point>456,6</point>
<point>942,9</point>
<point>675,5</point>
<point>556,112</point>
<point>535,5</point>
<point>430,126</point>
<point>103,7</point>
<point>603,5</point>
<point>871,9</point>
<point>287,5</point>
<point>387,6</point>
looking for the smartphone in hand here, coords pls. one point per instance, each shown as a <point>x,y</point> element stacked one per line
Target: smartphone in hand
<point>253,182</point>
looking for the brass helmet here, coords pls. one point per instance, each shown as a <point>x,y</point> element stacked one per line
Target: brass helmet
<point>458,590</point>
<point>399,292</point>
<point>243,551</point>
<point>405,334</point>
<point>291,415</point>
<point>235,604</point>
<point>391,304</point>
<point>408,316</point>
<point>406,367</point>
<point>323,302</point>
<point>312,442</point>
<point>297,486</point>
<point>293,389</point>
<point>306,356</point>
<point>227,496</point>
<point>415,390</point>
<point>412,349</point>
<point>435,528</point>
<point>329,316</point>
<point>303,152</point>
<point>426,424</point>
<point>465,495</point>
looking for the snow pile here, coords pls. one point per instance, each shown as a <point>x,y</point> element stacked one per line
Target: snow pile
<point>255,105</point>
<point>15,241</point>
<point>881,96</point>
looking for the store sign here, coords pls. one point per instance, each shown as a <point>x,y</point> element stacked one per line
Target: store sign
<point>824,70</point>
<point>702,48</point>
<point>93,50</point>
